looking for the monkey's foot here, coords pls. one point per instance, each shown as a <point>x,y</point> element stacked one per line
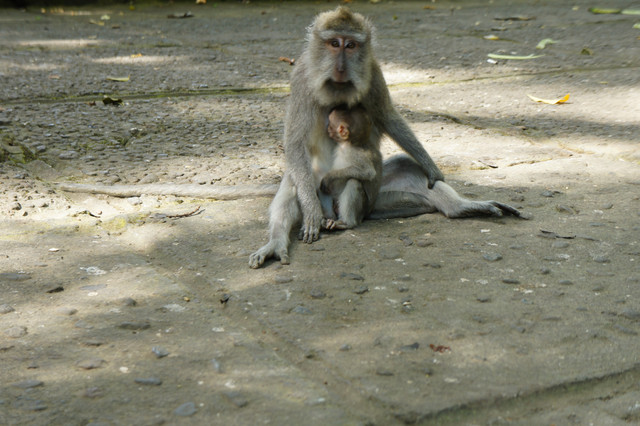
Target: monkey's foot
<point>266,252</point>
<point>331,224</point>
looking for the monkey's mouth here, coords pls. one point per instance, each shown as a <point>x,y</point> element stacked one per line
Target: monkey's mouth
<point>340,85</point>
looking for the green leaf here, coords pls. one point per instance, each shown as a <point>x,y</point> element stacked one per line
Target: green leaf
<point>543,43</point>
<point>601,11</point>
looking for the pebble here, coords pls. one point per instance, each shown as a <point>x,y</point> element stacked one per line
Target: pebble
<point>302,310</point>
<point>217,366</point>
<point>601,259</point>
<point>492,257</point>
<point>68,155</point>
<point>185,410</point>
<point>345,347</point>
<point>16,332</point>
<point>483,299</point>
<point>361,289</point>
<point>412,347</point>
<point>237,399</point>
<point>93,392</point>
<point>67,311</point>
<point>351,276</point>
<point>631,314</point>
<point>389,254</point>
<point>423,242</point>
<point>565,282</point>
<point>560,244</point>
<point>5,309</point>
<point>283,279</point>
<point>159,351</point>
<point>510,281</point>
<point>14,276</point>
<point>317,294</point>
<point>547,193</point>
<point>561,208</point>
<point>90,364</point>
<point>27,384</point>
<point>134,325</point>
<point>148,381</point>
<point>127,301</point>
<point>384,372</point>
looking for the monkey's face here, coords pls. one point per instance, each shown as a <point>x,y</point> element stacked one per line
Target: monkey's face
<point>342,50</point>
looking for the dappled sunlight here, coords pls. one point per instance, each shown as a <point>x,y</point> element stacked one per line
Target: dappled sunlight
<point>79,43</point>
<point>135,59</point>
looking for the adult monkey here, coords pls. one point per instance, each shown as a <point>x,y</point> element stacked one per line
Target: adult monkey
<point>337,67</point>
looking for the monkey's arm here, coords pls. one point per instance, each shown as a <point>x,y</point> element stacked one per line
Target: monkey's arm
<point>361,172</point>
<point>299,128</point>
<point>392,123</point>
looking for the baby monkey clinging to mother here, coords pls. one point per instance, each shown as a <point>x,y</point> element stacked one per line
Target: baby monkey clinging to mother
<point>349,190</point>
<point>337,67</point>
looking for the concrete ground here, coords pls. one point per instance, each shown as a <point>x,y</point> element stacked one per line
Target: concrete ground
<point>143,310</point>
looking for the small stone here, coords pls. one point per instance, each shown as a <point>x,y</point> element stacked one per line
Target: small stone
<point>560,244</point>
<point>5,309</point>
<point>423,242</point>
<point>217,366</point>
<point>384,372</point>
<point>510,281</point>
<point>237,399</point>
<point>317,294</point>
<point>432,265</point>
<point>565,282</point>
<point>302,310</point>
<point>127,301</point>
<point>27,384</point>
<point>67,311</point>
<point>134,325</point>
<point>483,299</point>
<point>90,364</point>
<point>283,279</point>
<point>68,155</point>
<point>14,276</point>
<point>93,392</point>
<point>412,347</point>
<point>159,351</point>
<point>601,259</point>
<point>545,271</point>
<point>405,277</point>
<point>547,193</point>
<point>345,347</point>
<point>185,410</point>
<point>492,257</point>
<point>148,381</point>
<point>566,209</point>
<point>16,332</point>
<point>134,201</point>
<point>361,289</point>
<point>54,289</point>
<point>403,288</point>
<point>351,276</point>
<point>631,314</point>
<point>389,254</point>
<point>15,206</point>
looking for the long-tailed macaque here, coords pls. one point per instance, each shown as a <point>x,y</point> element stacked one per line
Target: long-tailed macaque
<point>348,192</point>
<point>336,68</point>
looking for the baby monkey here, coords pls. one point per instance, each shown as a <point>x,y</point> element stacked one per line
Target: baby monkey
<point>349,190</point>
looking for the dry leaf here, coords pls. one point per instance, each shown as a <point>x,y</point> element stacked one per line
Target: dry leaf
<point>98,23</point>
<point>111,101</point>
<point>602,11</point>
<point>631,12</point>
<point>121,79</point>
<point>496,56</point>
<point>201,1</point>
<point>491,37</point>
<point>550,101</point>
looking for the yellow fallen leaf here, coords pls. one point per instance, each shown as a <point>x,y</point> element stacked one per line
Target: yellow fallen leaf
<point>631,12</point>
<point>121,79</point>
<point>491,37</point>
<point>496,56</point>
<point>636,25</point>
<point>543,43</point>
<point>98,23</point>
<point>137,55</point>
<point>550,101</point>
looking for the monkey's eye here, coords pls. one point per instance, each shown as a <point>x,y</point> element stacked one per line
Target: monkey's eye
<point>335,43</point>
<point>351,45</point>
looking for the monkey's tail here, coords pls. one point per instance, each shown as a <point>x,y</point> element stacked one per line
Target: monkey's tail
<point>218,192</point>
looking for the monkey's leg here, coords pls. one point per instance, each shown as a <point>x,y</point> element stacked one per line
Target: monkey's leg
<point>405,193</point>
<point>351,205</point>
<point>284,214</point>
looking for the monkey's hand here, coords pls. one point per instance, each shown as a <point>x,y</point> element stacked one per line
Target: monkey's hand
<point>433,176</point>
<point>311,223</point>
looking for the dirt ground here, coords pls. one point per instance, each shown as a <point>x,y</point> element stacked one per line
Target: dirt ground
<point>143,310</point>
